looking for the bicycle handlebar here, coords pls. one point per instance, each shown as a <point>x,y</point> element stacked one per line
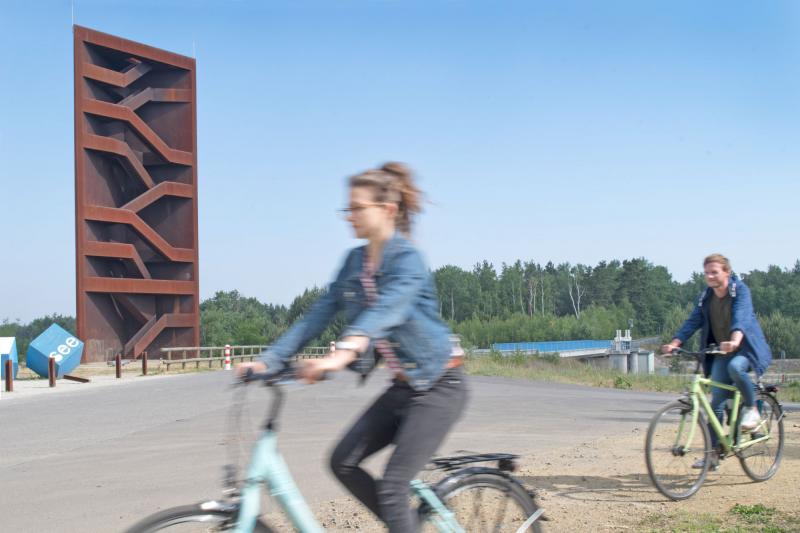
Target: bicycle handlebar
<point>276,377</point>
<point>711,350</point>
<point>273,380</point>
<point>697,356</point>
<point>269,379</point>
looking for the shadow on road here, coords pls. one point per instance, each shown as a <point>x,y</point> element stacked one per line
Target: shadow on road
<point>623,488</point>
<point>630,487</point>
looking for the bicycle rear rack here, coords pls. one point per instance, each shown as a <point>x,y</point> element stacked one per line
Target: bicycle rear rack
<point>505,461</point>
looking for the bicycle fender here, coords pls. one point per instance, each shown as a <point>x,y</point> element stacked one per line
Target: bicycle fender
<point>453,479</point>
<point>456,477</point>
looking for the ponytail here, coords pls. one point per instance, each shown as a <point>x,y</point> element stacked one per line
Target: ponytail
<point>393,182</point>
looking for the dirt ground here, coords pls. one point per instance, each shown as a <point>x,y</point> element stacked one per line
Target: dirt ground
<point>604,486</point>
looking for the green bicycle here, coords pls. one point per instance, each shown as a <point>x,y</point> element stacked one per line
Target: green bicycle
<point>678,436</point>
<point>467,499</point>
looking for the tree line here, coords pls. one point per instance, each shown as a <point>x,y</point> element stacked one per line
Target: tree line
<point>528,301</point>
<point>520,301</point>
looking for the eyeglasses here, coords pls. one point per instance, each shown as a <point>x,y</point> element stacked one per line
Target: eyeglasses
<point>358,208</point>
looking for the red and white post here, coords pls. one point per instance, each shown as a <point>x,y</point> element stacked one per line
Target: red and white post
<point>227,357</point>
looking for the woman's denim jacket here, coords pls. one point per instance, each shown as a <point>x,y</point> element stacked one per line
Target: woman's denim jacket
<point>754,346</point>
<point>405,314</point>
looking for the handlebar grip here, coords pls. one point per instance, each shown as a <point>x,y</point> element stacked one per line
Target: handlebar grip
<point>250,376</point>
<point>274,377</point>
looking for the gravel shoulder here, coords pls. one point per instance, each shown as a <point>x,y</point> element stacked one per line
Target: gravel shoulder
<point>603,486</point>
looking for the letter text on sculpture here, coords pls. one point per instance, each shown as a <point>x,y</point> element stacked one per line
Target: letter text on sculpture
<point>135,197</point>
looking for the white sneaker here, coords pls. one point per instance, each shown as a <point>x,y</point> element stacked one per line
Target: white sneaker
<point>751,419</point>
<point>714,460</point>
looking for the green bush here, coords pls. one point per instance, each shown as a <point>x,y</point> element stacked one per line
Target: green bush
<point>621,383</point>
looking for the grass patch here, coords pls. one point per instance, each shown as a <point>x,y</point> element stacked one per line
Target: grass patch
<point>753,513</point>
<point>790,392</point>
<point>551,367</point>
<point>740,519</point>
<point>682,522</point>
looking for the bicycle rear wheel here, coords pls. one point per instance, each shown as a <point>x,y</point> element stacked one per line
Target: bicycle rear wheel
<point>485,501</point>
<point>671,455</point>
<point>191,519</point>
<point>760,461</point>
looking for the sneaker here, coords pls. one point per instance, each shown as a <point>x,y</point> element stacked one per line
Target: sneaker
<point>700,463</point>
<point>751,419</point>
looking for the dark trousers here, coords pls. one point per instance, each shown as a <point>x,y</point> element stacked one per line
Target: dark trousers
<point>416,422</point>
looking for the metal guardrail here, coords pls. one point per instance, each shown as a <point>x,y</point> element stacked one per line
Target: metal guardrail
<point>182,352</point>
<point>240,353</point>
<point>210,360</point>
<point>205,352</point>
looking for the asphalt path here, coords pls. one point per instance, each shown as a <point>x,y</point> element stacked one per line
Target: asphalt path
<point>99,459</point>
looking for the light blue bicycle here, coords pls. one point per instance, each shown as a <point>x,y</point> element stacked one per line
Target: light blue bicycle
<point>468,499</point>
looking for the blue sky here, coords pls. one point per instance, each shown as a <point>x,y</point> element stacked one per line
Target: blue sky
<point>564,131</point>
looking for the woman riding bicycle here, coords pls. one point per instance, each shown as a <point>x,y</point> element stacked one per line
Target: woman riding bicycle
<point>724,314</point>
<point>389,300</point>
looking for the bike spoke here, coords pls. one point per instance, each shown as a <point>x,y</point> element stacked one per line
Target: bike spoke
<point>760,460</point>
<point>501,513</point>
<point>476,509</point>
<point>491,506</point>
<point>674,445</point>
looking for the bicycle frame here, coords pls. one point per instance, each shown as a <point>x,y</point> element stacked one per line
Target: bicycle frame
<point>267,466</point>
<point>443,519</point>
<point>698,392</point>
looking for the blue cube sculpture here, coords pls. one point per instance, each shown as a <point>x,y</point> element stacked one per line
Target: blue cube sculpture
<point>8,350</point>
<point>58,344</point>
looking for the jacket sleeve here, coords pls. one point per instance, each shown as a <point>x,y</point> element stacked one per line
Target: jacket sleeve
<point>692,324</point>
<point>742,313</point>
<point>401,285</point>
<point>313,322</point>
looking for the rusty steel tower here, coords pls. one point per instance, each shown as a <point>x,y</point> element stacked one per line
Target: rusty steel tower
<point>135,197</point>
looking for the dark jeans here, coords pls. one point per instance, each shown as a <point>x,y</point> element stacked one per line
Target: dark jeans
<point>416,422</point>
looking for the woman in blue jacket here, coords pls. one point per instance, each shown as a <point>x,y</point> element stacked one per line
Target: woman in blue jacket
<point>389,301</point>
<point>724,315</point>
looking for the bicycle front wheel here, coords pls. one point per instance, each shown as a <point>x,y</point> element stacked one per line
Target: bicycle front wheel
<point>191,519</point>
<point>678,454</point>
<point>486,501</point>
<point>761,460</point>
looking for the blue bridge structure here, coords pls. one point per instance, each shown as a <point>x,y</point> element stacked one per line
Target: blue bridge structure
<point>592,346</point>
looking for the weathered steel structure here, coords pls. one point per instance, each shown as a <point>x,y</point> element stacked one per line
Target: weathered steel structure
<point>135,197</point>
